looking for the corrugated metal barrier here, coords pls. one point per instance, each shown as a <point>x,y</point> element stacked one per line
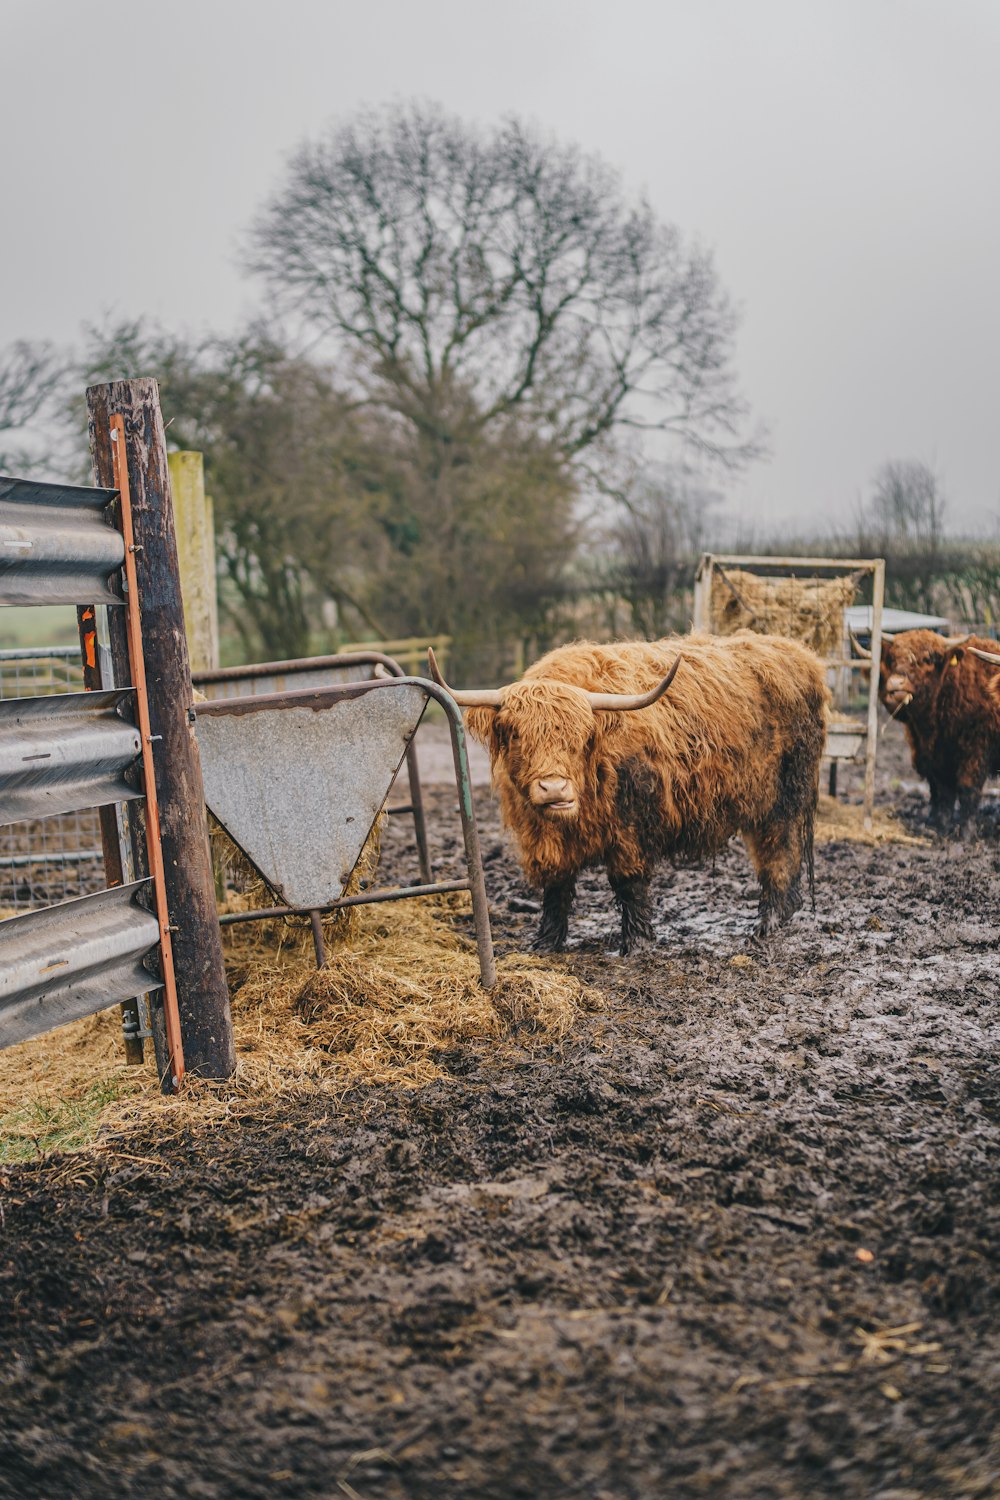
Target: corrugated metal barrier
<point>63,754</point>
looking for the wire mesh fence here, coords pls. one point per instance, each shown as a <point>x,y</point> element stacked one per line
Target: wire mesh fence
<point>52,859</point>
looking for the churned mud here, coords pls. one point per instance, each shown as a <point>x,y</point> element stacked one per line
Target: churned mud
<point>737,1235</point>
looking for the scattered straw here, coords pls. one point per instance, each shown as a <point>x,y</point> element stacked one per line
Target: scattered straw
<point>810,610</point>
<point>390,1006</point>
<point>843,822</point>
<point>54,1088</point>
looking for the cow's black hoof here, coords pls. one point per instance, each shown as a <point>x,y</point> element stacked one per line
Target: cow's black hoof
<point>546,942</point>
<point>635,940</point>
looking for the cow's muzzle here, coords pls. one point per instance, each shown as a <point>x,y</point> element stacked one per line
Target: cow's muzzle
<point>553,794</point>
<point>897,693</point>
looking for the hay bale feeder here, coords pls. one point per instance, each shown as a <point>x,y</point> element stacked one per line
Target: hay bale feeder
<point>805,598</point>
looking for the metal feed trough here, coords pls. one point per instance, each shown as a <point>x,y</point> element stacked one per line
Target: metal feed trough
<point>317,672</point>
<point>297,780</point>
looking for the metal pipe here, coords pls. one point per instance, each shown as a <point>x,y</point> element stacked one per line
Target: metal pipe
<point>56,856</point>
<point>398,893</point>
<point>317,931</point>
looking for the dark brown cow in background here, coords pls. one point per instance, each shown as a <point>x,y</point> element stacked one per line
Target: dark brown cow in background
<point>940,689</point>
<point>623,755</point>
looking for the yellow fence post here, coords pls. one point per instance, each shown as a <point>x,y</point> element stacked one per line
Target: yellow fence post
<point>195,521</point>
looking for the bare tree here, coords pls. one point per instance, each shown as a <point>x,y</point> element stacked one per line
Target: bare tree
<point>904,522</point>
<point>441,257</point>
<point>30,375</point>
<point>907,506</point>
<point>317,499</point>
<point>654,543</point>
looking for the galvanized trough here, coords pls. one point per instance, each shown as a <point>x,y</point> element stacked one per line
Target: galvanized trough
<point>297,780</point>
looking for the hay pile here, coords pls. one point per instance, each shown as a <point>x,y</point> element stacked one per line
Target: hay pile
<point>843,822</point>
<point>394,1000</point>
<point>810,610</point>
<point>390,1005</point>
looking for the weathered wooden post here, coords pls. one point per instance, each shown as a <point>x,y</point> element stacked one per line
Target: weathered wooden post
<point>878,602</point>
<point>202,994</point>
<point>195,522</point>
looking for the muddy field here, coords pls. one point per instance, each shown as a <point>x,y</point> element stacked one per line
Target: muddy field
<point>737,1236</point>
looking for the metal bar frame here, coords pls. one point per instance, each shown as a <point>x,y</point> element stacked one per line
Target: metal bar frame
<point>297,664</point>
<point>873,566</point>
<point>474,883</point>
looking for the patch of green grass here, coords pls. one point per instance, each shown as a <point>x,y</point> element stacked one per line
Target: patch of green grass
<point>38,625</point>
<point>56,1124</point>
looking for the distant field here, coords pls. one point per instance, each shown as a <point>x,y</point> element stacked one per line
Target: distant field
<point>38,625</point>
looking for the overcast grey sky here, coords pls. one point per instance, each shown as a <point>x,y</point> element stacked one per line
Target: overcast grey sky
<point>839,156</point>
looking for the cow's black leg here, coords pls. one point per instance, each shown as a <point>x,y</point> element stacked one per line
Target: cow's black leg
<point>942,805</point>
<point>632,898</point>
<point>777,904</point>
<point>557,902</point>
<point>777,851</point>
<point>968,804</point>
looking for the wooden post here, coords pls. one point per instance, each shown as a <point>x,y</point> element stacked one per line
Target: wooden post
<point>203,997</point>
<point>871,748</point>
<point>193,513</point>
<point>702,608</point>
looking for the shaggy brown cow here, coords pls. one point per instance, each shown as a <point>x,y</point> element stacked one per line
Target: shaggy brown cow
<point>590,771</point>
<point>941,690</point>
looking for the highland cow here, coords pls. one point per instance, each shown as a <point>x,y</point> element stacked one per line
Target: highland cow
<point>941,689</point>
<point>624,755</point>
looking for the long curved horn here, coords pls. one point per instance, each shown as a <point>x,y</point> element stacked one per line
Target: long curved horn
<point>990,656</point>
<point>614,702</point>
<point>473,698</point>
<point>859,650</point>
<point>956,642</point>
<point>625,702</point>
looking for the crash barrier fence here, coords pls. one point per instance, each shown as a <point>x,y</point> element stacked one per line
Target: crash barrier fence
<point>64,753</point>
<point>53,858</point>
<point>848,736</point>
